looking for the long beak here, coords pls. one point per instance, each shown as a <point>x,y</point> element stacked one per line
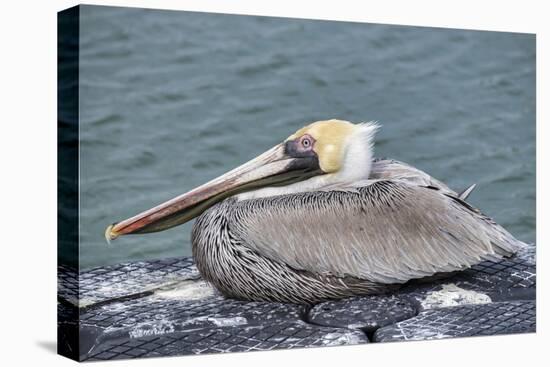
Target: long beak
<point>272,168</point>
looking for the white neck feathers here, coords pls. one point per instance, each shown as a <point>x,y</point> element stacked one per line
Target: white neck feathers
<point>357,160</point>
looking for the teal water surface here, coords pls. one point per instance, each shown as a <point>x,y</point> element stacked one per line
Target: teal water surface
<point>169,100</point>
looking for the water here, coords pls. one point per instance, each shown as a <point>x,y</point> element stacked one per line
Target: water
<point>170,100</point>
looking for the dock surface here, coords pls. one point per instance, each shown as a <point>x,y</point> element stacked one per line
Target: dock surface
<point>164,308</point>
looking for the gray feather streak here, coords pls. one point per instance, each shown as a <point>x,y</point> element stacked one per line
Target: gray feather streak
<point>466,193</point>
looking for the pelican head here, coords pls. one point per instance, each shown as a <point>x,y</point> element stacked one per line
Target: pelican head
<point>319,155</point>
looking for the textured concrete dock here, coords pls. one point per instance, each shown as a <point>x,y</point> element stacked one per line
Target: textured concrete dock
<point>164,308</point>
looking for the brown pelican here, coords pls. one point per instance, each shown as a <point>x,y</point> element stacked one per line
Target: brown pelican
<point>316,217</point>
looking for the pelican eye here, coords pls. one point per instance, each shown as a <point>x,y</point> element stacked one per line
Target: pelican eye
<point>306,142</point>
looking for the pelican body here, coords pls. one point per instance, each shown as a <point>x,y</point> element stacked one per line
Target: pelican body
<point>317,218</point>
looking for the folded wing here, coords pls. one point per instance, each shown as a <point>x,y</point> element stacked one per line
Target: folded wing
<point>389,231</point>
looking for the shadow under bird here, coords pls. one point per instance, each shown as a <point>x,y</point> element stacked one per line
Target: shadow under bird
<point>317,217</point>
